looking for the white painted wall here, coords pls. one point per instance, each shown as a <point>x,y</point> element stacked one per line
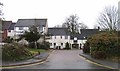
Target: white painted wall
<point>58,41</point>
<point>11,33</point>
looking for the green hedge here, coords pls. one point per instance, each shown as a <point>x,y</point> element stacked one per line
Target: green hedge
<point>104,43</point>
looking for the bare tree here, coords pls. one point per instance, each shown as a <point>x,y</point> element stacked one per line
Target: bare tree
<point>83,26</point>
<point>57,26</point>
<point>73,25</point>
<point>108,19</point>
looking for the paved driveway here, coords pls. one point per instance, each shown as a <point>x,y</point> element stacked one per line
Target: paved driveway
<point>65,59</point>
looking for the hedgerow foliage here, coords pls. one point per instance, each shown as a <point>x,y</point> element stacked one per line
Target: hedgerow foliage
<point>104,44</point>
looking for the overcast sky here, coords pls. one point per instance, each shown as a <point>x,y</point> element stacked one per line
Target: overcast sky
<point>55,11</point>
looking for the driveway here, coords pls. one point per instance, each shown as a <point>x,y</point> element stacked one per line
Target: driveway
<point>64,59</point>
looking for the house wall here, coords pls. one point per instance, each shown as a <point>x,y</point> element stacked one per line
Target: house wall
<point>58,41</point>
<point>82,42</point>
<point>11,33</point>
<point>4,35</point>
<point>46,28</point>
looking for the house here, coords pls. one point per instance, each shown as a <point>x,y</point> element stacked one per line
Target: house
<point>23,25</point>
<point>5,27</point>
<point>60,36</point>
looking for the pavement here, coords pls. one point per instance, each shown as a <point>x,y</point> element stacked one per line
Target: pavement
<point>104,62</point>
<point>38,58</point>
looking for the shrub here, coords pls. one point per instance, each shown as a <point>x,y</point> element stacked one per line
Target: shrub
<point>86,47</point>
<point>99,54</point>
<point>105,42</point>
<point>67,46</point>
<point>14,52</point>
<point>8,40</point>
<point>45,45</point>
<point>32,45</point>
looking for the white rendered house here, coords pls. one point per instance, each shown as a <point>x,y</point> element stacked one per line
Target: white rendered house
<point>60,36</point>
<point>23,25</point>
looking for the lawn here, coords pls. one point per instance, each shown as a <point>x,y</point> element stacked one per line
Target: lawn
<point>36,51</point>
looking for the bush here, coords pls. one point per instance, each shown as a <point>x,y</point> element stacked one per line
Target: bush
<point>99,54</point>
<point>32,45</point>
<point>8,40</point>
<point>105,42</point>
<point>15,52</point>
<point>86,47</point>
<point>67,46</point>
<point>45,45</point>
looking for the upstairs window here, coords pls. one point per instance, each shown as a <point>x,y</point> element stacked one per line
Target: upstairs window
<point>20,28</point>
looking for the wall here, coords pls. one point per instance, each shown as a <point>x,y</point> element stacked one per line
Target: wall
<point>58,41</point>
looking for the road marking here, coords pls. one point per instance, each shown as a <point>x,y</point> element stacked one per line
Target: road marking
<point>10,67</point>
<point>96,63</point>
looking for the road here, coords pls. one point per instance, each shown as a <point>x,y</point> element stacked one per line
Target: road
<point>64,59</point>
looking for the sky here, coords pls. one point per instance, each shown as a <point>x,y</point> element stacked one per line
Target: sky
<point>56,11</point>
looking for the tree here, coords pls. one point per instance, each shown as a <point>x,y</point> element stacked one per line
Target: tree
<point>72,23</point>
<point>83,26</point>
<point>57,26</point>
<point>32,35</point>
<point>108,19</point>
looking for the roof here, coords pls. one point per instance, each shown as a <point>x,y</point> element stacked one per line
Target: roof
<point>11,26</point>
<point>85,33</point>
<point>58,31</point>
<point>30,22</point>
<point>6,25</point>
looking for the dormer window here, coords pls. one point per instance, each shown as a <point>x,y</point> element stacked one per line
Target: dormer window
<point>75,38</point>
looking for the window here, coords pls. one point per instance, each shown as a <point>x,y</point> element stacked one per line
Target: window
<point>61,37</point>
<point>66,37</point>
<point>61,44</point>
<point>20,28</point>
